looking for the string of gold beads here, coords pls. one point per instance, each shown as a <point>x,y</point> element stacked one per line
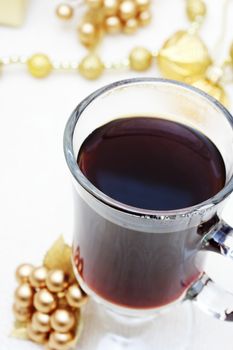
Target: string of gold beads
<point>48,305</point>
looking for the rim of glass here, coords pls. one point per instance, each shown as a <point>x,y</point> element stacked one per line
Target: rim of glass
<point>102,197</point>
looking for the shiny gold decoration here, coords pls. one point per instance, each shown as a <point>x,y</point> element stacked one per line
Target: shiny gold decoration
<point>44,301</point>
<point>88,34</point>
<point>140,59</point>
<point>41,322</point>
<point>144,18</point>
<point>95,4</point>
<point>58,257</point>
<point>23,272</point>
<point>142,5</point>
<point>60,341</point>
<point>56,281</point>
<point>183,57</point>
<point>39,65</point>
<point>75,296</point>
<point>64,11</point>
<point>130,26</point>
<point>36,336</point>
<point>213,89</point>
<point>195,8</point>
<point>91,67</point>
<point>24,295</point>
<point>38,277</point>
<point>62,320</point>
<point>110,7</point>
<point>22,314</point>
<point>127,9</point>
<point>112,25</point>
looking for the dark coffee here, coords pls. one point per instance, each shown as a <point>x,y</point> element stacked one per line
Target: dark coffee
<point>152,164</point>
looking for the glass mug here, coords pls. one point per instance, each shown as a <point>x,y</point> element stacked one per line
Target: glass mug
<point>140,263</point>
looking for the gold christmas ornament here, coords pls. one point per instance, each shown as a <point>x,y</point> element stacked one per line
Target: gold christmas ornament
<point>91,67</point>
<point>38,277</point>
<point>41,322</point>
<point>213,89</point>
<point>39,65</point>
<point>142,5</point>
<point>140,59</point>
<point>23,272</point>
<point>144,18</point>
<point>36,336</point>
<point>195,8</point>
<point>130,26</point>
<point>127,9</point>
<point>56,281</point>
<point>62,320</point>
<point>22,314</point>
<point>112,25</point>
<point>88,34</point>
<point>94,4</point>
<point>64,11</point>
<point>75,296</point>
<point>183,57</point>
<point>60,341</point>
<point>44,301</point>
<point>24,295</point>
<point>110,7</point>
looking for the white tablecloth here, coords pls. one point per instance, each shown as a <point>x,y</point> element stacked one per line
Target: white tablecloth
<point>35,191</point>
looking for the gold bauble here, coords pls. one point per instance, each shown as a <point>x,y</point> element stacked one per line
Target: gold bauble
<point>140,59</point>
<point>22,314</point>
<point>142,5</point>
<point>41,322</point>
<point>127,9</point>
<point>144,18</point>
<point>183,57</point>
<point>95,4</point>
<point>38,277</point>
<point>44,301</point>
<point>60,341</point>
<point>91,67</point>
<point>195,8</point>
<point>110,7</point>
<point>130,26</point>
<point>24,295</point>
<point>64,11</point>
<point>88,34</point>
<point>23,272</point>
<point>112,24</point>
<point>36,336</point>
<point>213,89</point>
<point>62,320</point>
<point>56,281</point>
<point>75,296</point>
<point>39,65</point>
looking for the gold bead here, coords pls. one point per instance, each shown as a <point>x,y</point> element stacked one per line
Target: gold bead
<point>110,7</point>
<point>94,4</point>
<point>62,320</point>
<point>22,314</point>
<point>24,295</point>
<point>213,89</point>
<point>56,281</point>
<point>23,272</point>
<point>60,341</point>
<point>41,322</point>
<point>140,59</point>
<point>88,34</point>
<point>130,26</point>
<point>39,65</point>
<point>38,277</point>
<point>91,67</point>
<point>142,5</point>
<point>195,8</point>
<point>144,18</point>
<point>127,9</point>
<point>44,301</point>
<point>75,297</point>
<point>112,24</point>
<point>36,336</point>
<point>64,11</point>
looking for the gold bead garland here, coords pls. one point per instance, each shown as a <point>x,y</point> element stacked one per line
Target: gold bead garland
<point>47,301</point>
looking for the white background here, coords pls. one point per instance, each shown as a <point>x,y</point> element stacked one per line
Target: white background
<point>35,192</point>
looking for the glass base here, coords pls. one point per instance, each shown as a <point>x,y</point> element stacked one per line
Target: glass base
<point>105,330</point>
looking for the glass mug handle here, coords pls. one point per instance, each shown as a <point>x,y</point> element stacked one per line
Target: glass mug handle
<point>214,294</point>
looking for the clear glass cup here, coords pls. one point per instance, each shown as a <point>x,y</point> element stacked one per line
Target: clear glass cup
<point>137,264</point>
